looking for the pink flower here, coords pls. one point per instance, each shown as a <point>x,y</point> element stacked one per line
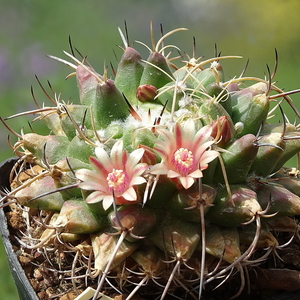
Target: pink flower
<point>184,153</point>
<point>114,177</point>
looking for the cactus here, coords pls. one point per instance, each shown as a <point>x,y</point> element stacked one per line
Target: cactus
<point>161,181</point>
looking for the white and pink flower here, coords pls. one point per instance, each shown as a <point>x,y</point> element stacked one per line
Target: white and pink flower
<point>184,153</point>
<point>114,177</point>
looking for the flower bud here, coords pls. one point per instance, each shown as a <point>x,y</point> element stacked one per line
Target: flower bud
<point>149,156</point>
<point>146,92</point>
<point>223,129</point>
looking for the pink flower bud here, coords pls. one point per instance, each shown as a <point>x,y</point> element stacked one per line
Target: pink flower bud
<point>146,92</point>
<point>222,129</point>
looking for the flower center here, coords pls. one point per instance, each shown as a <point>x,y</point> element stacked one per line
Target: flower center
<point>117,181</point>
<point>183,159</point>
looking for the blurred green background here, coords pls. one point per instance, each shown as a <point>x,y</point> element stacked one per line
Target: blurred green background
<point>30,29</point>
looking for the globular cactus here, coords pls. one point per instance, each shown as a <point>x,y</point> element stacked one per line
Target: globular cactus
<point>163,181</point>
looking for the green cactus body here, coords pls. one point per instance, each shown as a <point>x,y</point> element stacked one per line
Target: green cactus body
<point>232,249</point>
<point>241,206</point>
<point>133,137</point>
<point>114,131</point>
<point>157,71</point>
<point>103,246</point>
<point>52,147</point>
<point>80,149</point>
<point>167,180</point>
<point>129,73</point>
<point>289,182</point>
<point>277,127</point>
<point>251,110</point>
<point>150,258</point>
<point>52,121</point>
<point>109,105</point>
<point>77,113</point>
<point>238,159</point>
<point>164,190</point>
<point>222,243</point>
<point>292,147</point>
<point>51,202</point>
<point>166,95</point>
<point>266,238</point>
<point>215,243</point>
<point>76,217</point>
<point>207,77</point>
<point>87,82</point>
<point>282,202</point>
<point>211,110</point>
<point>219,92</point>
<point>184,204</point>
<point>132,216</point>
<point>268,155</point>
<point>176,237</point>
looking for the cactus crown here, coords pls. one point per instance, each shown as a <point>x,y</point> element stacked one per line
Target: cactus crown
<point>165,177</point>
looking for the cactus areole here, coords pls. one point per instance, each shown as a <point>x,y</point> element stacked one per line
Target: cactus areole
<point>165,180</point>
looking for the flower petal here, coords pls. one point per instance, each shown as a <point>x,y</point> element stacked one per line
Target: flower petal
<point>207,157</point>
<point>138,169</point>
<point>90,180</point>
<point>173,174</point>
<point>159,168</point>
<point>94,197</point>
<point>196,174</point>
<point>162,150</point>
<point>118,156</point>
<point>167,136</point>
<point>107,201</point>
<point>137,180</point>
<point>134,158</point>
<point>130,194</point>
<point>202,149</point>
<point>186,181</point>
<point>202,135</point>
<point>188,129</point>
<point>103,162</point>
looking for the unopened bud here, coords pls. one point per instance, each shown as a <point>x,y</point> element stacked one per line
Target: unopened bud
<point>146,92</point>
<point>223,130</point>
